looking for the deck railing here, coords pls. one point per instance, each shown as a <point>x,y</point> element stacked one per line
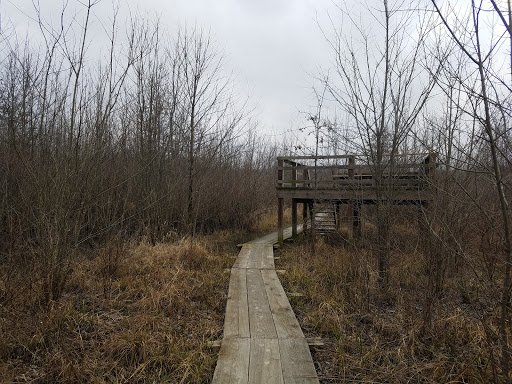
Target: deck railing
<point>356,172</point>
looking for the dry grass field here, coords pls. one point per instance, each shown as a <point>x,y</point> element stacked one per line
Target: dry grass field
<point>130,313</point>
<point>143,312</point>
<point>399,335</point>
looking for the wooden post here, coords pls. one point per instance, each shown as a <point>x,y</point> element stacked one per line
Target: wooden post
<point>294,217</point>
<point>304,217</point>
<point>356,205</point>
<point>305,177</point>
<point>280,232</point>
<point>280,172</point>
<point>338,216</point>
<point>294,202</point>
<point>356,221</point>
<point>312,216</point>
<point>280,205</point>
<point>294,175</point>
<point>351,164</point>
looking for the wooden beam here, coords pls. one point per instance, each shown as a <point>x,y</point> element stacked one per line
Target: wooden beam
<point>348,156</point>
<point>369,194</point>
<point>315,341</point>
<point>294,218</point>
<point>215,344</point>
<point>338,215</point>
<point>280,230</point>
<point>304,216</point>
<point>356,221</point>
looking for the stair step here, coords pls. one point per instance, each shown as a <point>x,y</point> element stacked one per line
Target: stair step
<point>325,217</point>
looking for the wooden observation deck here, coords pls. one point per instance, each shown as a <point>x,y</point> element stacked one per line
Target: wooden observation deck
<point>353,180</point>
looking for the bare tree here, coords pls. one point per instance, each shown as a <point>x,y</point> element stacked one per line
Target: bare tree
<point>381,85</point>
<point>477,36</point>
<point>210,115</point>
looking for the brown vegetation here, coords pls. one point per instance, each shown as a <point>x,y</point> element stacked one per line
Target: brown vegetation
<point>113,169</point>
<point>397,335</point>
<point>146,143</point>
<point>129,313</point>
<point>439,83</point>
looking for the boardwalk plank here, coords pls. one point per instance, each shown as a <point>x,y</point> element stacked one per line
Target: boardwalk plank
<point>261,257</point>
<point>265,362</point>
<point>243,256</point>
<point>231,317</point>
<point>261,322</point>
<point>285,321</point>
<point>267,257</point>
<point>233,363</point>
<point>256,256</point>
<point>236,323</point>
<point>243,307</point>
<point>272,237</point>
<point>297,362</point>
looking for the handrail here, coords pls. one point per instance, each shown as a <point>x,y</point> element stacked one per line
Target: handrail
<point>296,175</point>
<point>333,157</point>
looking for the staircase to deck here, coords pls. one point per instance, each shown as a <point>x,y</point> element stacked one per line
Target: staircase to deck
<point>325,217</point>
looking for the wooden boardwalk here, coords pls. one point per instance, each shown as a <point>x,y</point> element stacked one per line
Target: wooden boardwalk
<point>263,342</point>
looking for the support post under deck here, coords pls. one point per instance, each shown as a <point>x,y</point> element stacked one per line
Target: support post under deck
<point>304,216</point>
<point>312,216</point>
<point>338,215</point>
<point>280,203</point>
<point>356,222</point>
<point>294,218</point>
<point>280,232</point>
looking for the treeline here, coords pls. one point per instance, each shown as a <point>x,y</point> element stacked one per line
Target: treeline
<point>149,140</point>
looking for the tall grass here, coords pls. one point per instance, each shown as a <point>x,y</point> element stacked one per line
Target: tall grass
<point>374,335</point>
<point>129,313</point>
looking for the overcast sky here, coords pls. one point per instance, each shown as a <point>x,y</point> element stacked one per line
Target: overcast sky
<point>271,46</point>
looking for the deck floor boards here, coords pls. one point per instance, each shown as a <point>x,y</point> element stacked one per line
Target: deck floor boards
<point>263,342</point>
